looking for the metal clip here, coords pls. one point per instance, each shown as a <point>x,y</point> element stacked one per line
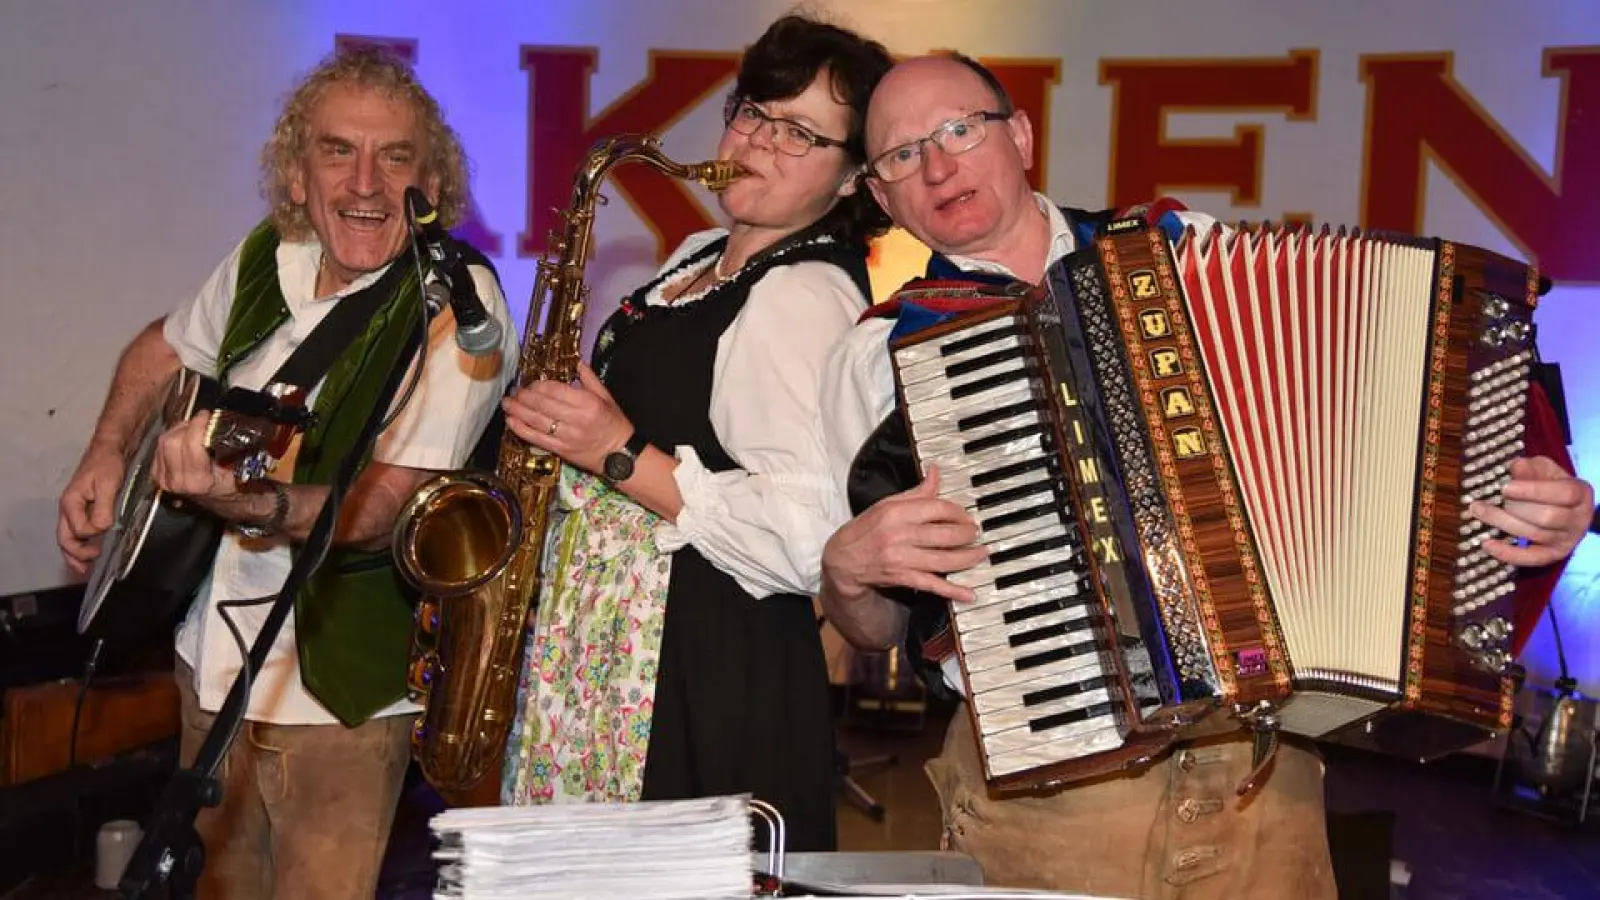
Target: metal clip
<point>1263,723</point>
<point>776,836</point>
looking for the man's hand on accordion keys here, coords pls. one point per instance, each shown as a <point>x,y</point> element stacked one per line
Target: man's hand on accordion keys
<point>912,539</point>
<point>1546,510</point>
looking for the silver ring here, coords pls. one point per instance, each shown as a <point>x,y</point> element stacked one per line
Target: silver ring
<point>554,424</point>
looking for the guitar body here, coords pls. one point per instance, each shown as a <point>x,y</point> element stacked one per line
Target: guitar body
<point>160,545</point>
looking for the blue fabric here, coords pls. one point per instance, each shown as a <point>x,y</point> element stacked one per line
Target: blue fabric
<point>913,318</point>
<point>1171,225</point>
<point>1085,227</point>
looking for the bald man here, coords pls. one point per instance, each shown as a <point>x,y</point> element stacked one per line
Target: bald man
<point>949,157</point>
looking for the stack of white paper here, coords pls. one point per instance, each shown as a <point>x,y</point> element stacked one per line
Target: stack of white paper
<point>662,850</point>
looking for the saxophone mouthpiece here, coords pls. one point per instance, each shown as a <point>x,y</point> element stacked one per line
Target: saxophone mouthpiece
<point>717,174</point>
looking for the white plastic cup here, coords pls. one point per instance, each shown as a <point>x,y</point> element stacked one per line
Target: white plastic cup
<point>113,848</point>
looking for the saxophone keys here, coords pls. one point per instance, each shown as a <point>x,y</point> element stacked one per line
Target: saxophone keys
<point>427,616</point>
<point>421,675</point>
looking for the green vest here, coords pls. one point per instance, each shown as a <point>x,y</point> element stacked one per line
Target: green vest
<point>353,617</point>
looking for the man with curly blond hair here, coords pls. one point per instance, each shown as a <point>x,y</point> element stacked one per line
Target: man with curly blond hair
<point>310,783</point>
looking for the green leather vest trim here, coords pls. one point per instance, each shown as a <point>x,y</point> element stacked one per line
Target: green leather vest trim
<point>353,617</point>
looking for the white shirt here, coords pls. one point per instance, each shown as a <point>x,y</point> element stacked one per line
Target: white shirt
<point>765,522</point>
<point>859,390</point>
<point>436,430</point>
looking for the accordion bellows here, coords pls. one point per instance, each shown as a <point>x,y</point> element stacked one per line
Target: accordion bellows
<point>1223,481</point>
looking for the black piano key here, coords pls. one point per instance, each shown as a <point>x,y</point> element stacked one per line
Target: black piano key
<point>998,379</point>
<point>1061,568</point>
<point>1082,648</point>
<point>1020,551</point>
<point>990,416</point>
<point>995,523</point>
<point>1042,486</point>
<point>1072,715</point>
<point>1013,469</point>
<point>1045,607</point>
<point>968,366</point>
<point>1060,629</point>
<point>975,340</point>
<point>1056,692</point>
<point>1002,437</point>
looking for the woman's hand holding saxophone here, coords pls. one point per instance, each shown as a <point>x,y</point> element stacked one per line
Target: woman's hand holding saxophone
<point>580,423</point>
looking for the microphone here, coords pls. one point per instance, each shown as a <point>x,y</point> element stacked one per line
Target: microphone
<point>477,333</point>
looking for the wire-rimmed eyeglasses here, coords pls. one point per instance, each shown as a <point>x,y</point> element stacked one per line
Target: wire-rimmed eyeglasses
<point>788,137</point>
<point>953,137</point>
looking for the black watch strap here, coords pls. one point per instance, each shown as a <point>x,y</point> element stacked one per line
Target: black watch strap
<point>636,444</point>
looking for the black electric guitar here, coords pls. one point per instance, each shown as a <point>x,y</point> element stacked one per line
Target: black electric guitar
<point>160,545</point>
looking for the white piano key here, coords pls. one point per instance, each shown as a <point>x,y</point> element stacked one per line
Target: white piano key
<point>1066,589</point>
<point>938,367</point>
<point>1012,372</point>
<point>1024,716</point>
<point>1009,696</point>
<point>985,595</point>
<point>934,410</point>
<point>988,573</point>
<point>988,673</point>
<point>1048,520</point>
<point>1000,634</point>
<point>1083,640</point>
<point>1024,738</point>
<point>923,351</point>
<point>1059,748</point>
<point>960,478</point>
<point>955,441</point>
<point>1040,501</point>
<point>965,494</point>
<point>989,458</point>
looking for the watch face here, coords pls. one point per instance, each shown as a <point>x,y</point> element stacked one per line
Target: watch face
<point>618,466</point>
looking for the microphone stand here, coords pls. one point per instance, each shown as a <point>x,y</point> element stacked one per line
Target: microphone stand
<point>171,848</point>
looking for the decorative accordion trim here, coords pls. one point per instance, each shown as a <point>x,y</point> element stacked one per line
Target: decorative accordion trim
<point>1167,464</point>
<point>1422,555</point>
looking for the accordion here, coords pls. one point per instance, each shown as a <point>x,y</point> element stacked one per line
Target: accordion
<point>1223,481</point>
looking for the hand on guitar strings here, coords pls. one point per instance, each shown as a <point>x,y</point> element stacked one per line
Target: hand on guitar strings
<point>1545,510</point>
<point>911,539</point>
<point>184,466</point>
<point>580,423</point>
<point>88,505</point>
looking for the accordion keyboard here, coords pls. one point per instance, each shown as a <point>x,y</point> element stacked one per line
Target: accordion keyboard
<point>1032,642</point>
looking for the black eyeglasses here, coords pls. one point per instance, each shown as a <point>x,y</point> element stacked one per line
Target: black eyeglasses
<point>954,137</point>
<point>789,137</point>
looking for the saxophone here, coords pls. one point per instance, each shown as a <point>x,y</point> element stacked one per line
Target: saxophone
<point>473,542</point>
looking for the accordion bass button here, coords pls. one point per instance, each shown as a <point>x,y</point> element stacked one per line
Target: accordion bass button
<point>1497,629</point>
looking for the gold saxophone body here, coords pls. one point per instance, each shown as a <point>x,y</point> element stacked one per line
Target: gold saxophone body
<point>472,542</point>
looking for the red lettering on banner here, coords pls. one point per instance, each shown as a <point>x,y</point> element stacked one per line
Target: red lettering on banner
<point>1416,112</point>
<point>561,131</point>
<point>1028,81</point>
<point>472,228</point>
<point>1145,163</point>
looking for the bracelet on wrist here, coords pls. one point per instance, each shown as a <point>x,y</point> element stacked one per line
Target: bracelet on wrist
<point>280,511</point>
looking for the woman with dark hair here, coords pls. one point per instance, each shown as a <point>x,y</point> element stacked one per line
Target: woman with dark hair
<point>675,653</point>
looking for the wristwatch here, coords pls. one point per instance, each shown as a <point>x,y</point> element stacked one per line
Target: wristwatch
<point>280,512</point>
<point>617,467</point>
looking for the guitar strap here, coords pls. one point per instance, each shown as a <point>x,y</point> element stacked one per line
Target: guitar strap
<point>344,323</point>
